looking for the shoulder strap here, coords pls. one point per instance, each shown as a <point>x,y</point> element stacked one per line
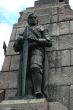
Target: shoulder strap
<point>33,32</point>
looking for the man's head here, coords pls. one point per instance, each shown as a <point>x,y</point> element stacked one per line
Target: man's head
<point>32,19</point>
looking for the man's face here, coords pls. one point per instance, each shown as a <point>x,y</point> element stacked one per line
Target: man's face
<point>32,20</point>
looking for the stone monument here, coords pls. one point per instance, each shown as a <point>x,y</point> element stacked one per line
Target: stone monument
<point>31,44</point>
<point>57,17</point>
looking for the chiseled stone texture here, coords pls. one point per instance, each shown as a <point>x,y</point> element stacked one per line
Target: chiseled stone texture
<point>55,29</point>
<point>44,19</point>
<point>71,97</point>
<point>60,94</point>
<point>2,95</point>
<point>9,93</point>
<point>59,58</point>
<point>8,80</point>
<point>15,60</point>
<point>65,57</point>
<point>71,26</point>
<point>61,76</point>
<point>72,57</point>
<point>66,41</point>
<point>31,104</point>
<point>6,64</point>
<point>13,34</point>
<point>43,11</point>
<point>57,106</point>
<point>64,27</point>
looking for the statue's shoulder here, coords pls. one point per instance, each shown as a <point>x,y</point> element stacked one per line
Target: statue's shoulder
<point>40,28</point>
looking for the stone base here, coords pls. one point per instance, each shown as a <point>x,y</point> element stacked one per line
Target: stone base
<point>2,95</point>
<point>31,104</point>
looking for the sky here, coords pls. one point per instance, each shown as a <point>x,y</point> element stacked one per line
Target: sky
<point>9,14</point>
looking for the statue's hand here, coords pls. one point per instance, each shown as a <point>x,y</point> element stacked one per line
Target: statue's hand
<point>32,40</point>
<point>18,45</point>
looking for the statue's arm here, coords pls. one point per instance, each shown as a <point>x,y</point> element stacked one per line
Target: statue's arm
<point>18,44</point>
<point>45,40</point>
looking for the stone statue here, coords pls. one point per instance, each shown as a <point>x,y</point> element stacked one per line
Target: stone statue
<point>31,45</point>
<point>4,47</point>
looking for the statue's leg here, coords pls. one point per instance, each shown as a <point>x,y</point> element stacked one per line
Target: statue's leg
<point>37,82</point>
<point>36,67</point>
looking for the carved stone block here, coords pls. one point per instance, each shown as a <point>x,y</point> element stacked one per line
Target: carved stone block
<point>31,104</point>
<point>44,19</point>
<point>61,76</point>
<point>6,64</point>
<point>13,34</point>
<point>2,95</point>
<point>15,62</point>
<point>8,80</point>
<point>9,93</point>
<point>64,27</point>
<point>66,41</point>
<point>55,29</point>
<point>71,26</point>
<point>71,97</point>
<point>65,57</point>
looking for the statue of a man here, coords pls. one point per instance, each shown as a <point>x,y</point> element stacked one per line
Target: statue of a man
<point>31,45</point>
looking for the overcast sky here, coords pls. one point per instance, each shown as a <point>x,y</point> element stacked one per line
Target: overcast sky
<point>9,14</point>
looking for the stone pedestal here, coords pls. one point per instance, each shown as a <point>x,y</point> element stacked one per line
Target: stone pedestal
<point>2,95</point>
<point>31,104</point>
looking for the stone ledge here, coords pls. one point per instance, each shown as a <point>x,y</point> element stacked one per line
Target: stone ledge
<point>31,104</point>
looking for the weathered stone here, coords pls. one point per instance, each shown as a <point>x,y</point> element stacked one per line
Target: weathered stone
<point>61,9</point>
<point>21,24</point>
<point>8,80</point>
<point>65,57</point>
<point>43,11</point>
<point>54,59</point>
<point>9,93</point>
<point>55,29</point>
<point>10,50</point>
<point>44,19</point>
<point>71,97</point>
<point>34,104</point>
<point>31,104</point>
<point>6,64</point>
<point>57,106</point>
<point>65,42</point>
<point>62,17</point>
<point>2,95</point>
<point>20,31</point>
<point>54,44</point>
<point>60,94</point>
<point>72,57</point>
<point>54,10</point>
<point>68,10</point>
<point>13,34</point>
<point>71,26</point>
<point>15,62</point>
<point>61,76</point>
<point>64,27</point>
<point>54,18</point>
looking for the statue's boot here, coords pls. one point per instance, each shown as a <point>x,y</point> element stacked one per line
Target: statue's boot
<point>37,82</point>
